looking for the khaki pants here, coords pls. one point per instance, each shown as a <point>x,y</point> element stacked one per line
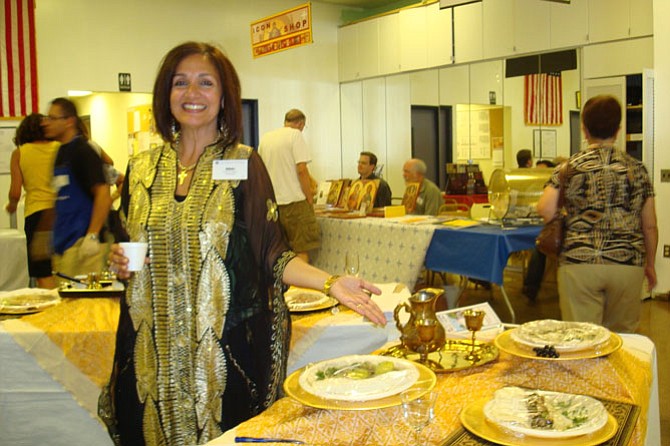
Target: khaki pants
<point>607,295</point>
<point>70,263</point>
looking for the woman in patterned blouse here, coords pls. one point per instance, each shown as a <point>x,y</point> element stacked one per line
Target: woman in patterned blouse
<point>610,233</point>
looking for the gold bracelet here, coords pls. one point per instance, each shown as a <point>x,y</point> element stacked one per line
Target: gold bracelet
<point>328,284</point>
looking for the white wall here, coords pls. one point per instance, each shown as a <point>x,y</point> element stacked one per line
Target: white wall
<point>83,45</point>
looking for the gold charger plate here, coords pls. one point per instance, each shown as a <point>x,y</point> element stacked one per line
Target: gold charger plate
<point>331,302</point>
<point>28,302</point>
<point>505,343</point>
<point>450,358</point>
<point>474,420</point>
<point>320,300</point>
<point>426,381</point>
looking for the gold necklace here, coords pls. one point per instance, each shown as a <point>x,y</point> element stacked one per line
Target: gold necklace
<point>184,170</point>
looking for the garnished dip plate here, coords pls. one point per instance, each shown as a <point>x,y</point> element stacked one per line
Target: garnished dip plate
<point>544,414</point>
<point>358,377</point>
<point>27,300</point>
<point>563,336</point>
<point>305,299</point>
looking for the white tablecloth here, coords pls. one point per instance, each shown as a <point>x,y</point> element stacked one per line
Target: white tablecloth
<point>389,251</point>
<point>14,271</point>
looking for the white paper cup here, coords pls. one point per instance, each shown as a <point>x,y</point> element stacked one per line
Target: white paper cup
<point>136,253</point>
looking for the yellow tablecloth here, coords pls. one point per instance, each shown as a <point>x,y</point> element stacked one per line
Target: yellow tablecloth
<point>620,377</point>
<point>74,342</point>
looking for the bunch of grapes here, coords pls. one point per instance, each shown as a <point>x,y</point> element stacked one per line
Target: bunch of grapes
<point>548,351</point>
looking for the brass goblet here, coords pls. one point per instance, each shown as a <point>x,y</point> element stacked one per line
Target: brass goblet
<point>474,319</point>
<point>426,330</point>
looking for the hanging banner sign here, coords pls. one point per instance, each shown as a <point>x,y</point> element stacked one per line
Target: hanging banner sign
<point>282,31</point>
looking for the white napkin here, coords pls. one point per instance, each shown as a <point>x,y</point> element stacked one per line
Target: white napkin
<point>392,295</point>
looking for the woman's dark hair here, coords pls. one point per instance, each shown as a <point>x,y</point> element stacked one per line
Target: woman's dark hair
<point>601,116</point>
<point>230,116</point>
<point>30,130</point>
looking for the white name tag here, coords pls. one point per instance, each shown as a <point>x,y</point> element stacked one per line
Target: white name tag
<point>230,169</point>
<point>59,181</point>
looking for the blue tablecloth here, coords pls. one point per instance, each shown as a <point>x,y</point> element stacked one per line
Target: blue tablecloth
<point>478,252</point>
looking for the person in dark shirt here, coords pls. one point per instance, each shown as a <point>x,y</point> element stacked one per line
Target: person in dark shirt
<point>367,163</point>
<point>83,201</point>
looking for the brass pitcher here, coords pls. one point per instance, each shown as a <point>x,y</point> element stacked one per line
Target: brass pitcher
<point>422,333</point>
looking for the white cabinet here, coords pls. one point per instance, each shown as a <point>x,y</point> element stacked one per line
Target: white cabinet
<point>398,131</point>
<point>351,119</point>
<point>368,48</point>
<point>440,41</point>
<point>374,117</point>
<point>498,28</point>
<point>641,18</point>
<point>347,45</point>
<point>569,24</point>
<point>619,19</point>
<point>468,33</point>
<point>531,26</point>
<point>413,39</point>
<point>608,20</point>
<point>389,44</point>
<point>358,50</point>
<point>515,27</point>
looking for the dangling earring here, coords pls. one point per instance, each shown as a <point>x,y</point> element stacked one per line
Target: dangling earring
<point>173,128</point>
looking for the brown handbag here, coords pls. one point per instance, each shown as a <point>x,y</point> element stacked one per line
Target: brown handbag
<point>550,240</point>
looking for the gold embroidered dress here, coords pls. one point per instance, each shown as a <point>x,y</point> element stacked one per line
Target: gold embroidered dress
<point>203,333</point>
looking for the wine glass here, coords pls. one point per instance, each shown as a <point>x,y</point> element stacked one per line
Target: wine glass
<point>418,410</point>
<point>474,319</point>
<point>351,264</point>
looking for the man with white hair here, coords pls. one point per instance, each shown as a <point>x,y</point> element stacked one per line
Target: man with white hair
<point>429,199</point>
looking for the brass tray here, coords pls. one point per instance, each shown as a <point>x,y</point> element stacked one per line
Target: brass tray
<point>474,420</point>
<point>109,288</point>
<point>505,343</point>
<point>451,357</point>
<point>425,383</point>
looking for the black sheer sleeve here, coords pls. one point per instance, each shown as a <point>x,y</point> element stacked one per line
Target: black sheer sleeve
<point>266,237</point>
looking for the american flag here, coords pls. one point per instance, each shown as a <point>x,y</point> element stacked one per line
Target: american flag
<point>543,99</point>
<point>18,58</point>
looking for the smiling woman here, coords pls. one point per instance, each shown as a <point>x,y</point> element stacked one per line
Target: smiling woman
<point>203,333</point>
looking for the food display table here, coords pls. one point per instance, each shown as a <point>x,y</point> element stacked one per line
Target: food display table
<point>14,271</point>
<point>389,250</point>
<point>479,252</point>
<point>625,380</point>
<point>54,363</point>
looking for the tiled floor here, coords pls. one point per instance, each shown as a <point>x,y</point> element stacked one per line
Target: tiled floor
<point>655,322</point>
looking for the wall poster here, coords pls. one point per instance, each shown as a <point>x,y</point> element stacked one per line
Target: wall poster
<point>282,31</point>
<point>544,144</point>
